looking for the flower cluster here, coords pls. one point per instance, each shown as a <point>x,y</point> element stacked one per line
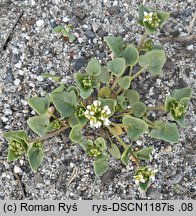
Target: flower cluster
<point>80,112</point>
<point>16,147</point>
<point>177,109</point>
<point>87,82</point>
<point>94,152</point>
<point>152,19</point>
<point>144,174</point>
<point>97,115</point>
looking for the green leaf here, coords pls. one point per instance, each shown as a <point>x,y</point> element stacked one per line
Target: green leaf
<point>75,134</point>
<point>109,102</point>
<point>115,44</point>
<point>144,153</point>
<point>141,10</point>
<point>121,101</point>
<point>73,88</point>
<point>74,120</point>
<point>84,92</point>
<point>163,15</point>
<point>135,127</point>
<point>93,68</point>
<point>132,96</point>
<point>144,186</point>
<point>182,93</point>
<point>38,124</point>
<point>153,61</point>
<point>117,66</point>
<point>19,136</point>
<point>124,82</point>
<point>35,155</point>
<point>104,76</point>
<point>71,37</point>
<point>125,155</point>
<point>58,29</point>
<point>86,144</point>
<point>165,131</point>
<point>104,92</point>
<point>59,89</point>
<point>139,109</point>
<point>100,166</point>
<point>100,142</point>
<point>65,102</point>
<point>40,105</point>
<point>114,151</point>
<point>12,156</point>
<point>131,55</point>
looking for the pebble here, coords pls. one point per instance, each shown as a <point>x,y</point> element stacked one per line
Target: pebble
<point>17,169</point>
<point>40,23</point>
<point>190,47</point>
<point>79,63</point>
<point>18,65</point>
<point>16,82</point>
<point>113,10</point>
<point>154,194</point>
<point>89,33</point>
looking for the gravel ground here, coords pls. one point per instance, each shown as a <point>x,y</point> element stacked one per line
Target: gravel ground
<point>33,49</point>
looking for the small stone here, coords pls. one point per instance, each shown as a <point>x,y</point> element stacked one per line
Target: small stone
<point>16,82</point>
<point>102,33</point>
<point>154,194</point>
<point>40,78</point>
<point>40,23</point>
<point>89,33</point>
<point>37,178</point>
<point>113,10</point>
<point>65,19</point>
<point>79,13</point>
<point>80,40</point>
<point>17,169</point>
<point>18,65</point>
<point>190,47</point>
<point>79,63</point>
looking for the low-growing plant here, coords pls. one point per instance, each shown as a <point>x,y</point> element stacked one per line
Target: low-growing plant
<point>104,102</point>
<point>66,32</point>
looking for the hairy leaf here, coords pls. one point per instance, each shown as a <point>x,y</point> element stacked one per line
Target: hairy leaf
<point>181,93</point>
<point>100,166</point>
<point>40,105</point>
<point>35,155</point>
<point>125,155</point>
<point>115,44</point>
<point>135,127</point>
<point>117,66</point>
<point>144,153</point>
<point>93,68</point>
<point>75,134</point>
<point>65,102</point>
<point>124,82</point>
<point>131,55</point>
<point>104,76</point>
<point>109,102</point>
<point>139,109</point>
<point>153,61</point>
<point>132,96</point>
<point>114,151</point>
<point>165,131</point>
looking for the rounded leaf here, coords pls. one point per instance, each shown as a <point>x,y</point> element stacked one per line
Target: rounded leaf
<point>75,134</point>
<point>124,82</point>
<point>131,55</point>
<point>139,109</point>
<point>93,68</point>
<point>117,66</point>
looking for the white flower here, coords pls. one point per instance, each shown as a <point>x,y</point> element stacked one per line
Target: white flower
<point>96,103</point>
<point>147,16</point>
<point>97,115</point>
<point>139,178</point>
<point>152,173</point>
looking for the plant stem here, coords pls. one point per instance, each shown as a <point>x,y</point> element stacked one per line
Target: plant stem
<point>118,91</point>
<point>55,117</point>
<point>137,74</point>
<point>148,121</point>
<point>162,108</point>
<point>142,40</point>
<point>47,136</point>
<point>115,83</point>
<point>117,137</point>
<point>108,135</point>
<point>130,70</point>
